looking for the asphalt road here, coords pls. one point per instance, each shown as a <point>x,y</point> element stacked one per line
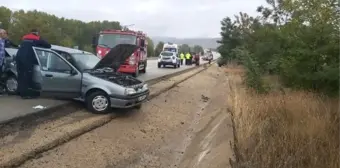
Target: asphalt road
<point>13,106</point>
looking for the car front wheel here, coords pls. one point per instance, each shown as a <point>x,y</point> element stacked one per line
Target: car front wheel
<point>11,85</point>
<point>98,102</point>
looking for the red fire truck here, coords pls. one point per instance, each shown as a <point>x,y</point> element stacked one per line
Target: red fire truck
<point>137,62</point>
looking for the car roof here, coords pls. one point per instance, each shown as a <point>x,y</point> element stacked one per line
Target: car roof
<point>68,50</point>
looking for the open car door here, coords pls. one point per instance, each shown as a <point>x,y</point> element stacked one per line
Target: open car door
<point>54,76</point>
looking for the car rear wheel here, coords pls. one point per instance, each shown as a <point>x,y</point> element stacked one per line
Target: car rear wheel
<point>144,69</point>
<point>98,102</point>
<point>11,85</point>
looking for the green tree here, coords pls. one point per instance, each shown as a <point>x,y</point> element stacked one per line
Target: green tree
<point>198,49</point>
<point>59,31</point>
<point>159,48</point>
<point>151,48</point>
<point>5,17</point>
<point>184,48</point>
<point>295,40</point>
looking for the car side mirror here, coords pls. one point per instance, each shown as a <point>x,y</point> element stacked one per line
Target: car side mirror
<point>73,72</point>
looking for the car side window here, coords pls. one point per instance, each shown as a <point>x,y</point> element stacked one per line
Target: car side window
<point>50,61</point>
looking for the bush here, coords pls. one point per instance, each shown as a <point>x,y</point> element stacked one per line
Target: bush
<point>298,42</point>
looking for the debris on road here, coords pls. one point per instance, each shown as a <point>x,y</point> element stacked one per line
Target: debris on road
<point>205,98</point>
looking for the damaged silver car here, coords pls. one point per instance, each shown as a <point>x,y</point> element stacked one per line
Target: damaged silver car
<point>83,76</point>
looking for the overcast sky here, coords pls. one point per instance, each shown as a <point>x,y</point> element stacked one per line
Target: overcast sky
<point>173,18</point>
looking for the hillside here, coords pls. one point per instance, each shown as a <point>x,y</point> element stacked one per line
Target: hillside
<point>204,42</point>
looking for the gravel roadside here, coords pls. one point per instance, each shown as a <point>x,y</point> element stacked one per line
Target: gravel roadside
<point>166,132</point>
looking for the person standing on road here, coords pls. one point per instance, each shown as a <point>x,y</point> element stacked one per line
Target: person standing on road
<point>182,58</point>
<point>26,61</point>
<point>187,58</point>
<point>210,58</point>
<point>2,56</point>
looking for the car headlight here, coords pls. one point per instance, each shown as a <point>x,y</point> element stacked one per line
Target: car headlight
<point>145,86</point>
<point>129,91</point>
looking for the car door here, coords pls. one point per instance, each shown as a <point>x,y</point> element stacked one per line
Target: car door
<point>57,77</point>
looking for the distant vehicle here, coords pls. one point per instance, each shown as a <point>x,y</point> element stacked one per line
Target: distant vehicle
<point>169,58</point>
<point>135,63</point>
<point>10,75</point>
<point>170,47</point>
<point>74,74</point>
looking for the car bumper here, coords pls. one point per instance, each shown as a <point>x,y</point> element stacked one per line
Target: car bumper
<point>118,101</point>
<point>127,68</point>
<point>167,63</point>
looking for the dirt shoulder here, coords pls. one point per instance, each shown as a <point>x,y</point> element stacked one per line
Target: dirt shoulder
<point>187,126</point>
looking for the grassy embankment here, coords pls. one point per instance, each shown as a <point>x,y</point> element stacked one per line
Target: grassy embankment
<point>290,129</point>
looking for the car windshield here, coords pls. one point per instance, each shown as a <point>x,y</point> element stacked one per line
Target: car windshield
<point>111,40</point>
<point>11,51</point>
<point>167,54</point>
<point>170,49</point>
<point>85,60</point>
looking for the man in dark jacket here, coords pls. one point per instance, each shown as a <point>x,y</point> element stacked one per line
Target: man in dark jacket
<point>26,60</point>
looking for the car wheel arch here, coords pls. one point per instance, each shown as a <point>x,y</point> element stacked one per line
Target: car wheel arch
<point>92,90</point>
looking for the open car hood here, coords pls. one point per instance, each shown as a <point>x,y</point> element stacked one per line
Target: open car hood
<point>116,56</point>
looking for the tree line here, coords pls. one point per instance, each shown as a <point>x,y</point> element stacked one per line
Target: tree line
<point>184,48</point>
<point>59,31</point>
<point>298,41</point>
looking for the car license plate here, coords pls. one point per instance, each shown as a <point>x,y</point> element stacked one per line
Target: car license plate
<point>141,98</point>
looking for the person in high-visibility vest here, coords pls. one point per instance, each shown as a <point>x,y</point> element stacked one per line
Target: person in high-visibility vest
<point>187,58</point>
<point>182,58</point>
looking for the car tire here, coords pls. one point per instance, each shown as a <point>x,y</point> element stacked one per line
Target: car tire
<point>175,66</point>
<point>9,89</point>
<point>159,65</point>
<point>98,102</point>
<point>144,69</point>
<point>139,106</point>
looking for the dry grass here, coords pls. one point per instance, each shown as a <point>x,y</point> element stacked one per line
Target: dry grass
<point>291,130</point>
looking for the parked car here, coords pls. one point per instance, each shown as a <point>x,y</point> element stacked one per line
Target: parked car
<point>75,74</point>
<point>9,77</point>
<point>169,58</point>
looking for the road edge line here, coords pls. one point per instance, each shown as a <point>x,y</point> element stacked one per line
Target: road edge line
<point>17,161</point>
